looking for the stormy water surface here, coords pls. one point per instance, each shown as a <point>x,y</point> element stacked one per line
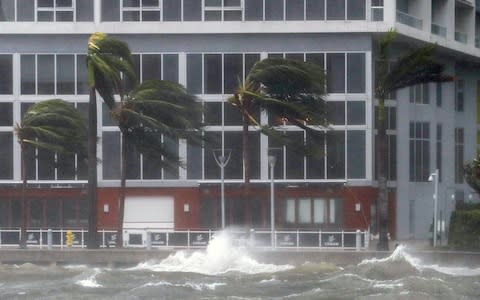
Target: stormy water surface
<point>224,271</point>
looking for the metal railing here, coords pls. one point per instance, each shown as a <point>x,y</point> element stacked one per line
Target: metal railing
<point>439,30</point>
<point>161,238</point>
<point>409,20</point>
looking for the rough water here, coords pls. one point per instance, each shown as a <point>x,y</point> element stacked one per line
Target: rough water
<point>223,271</point>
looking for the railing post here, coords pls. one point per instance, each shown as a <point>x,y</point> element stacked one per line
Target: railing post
<point>343,239</point>
<point>83,241</point>
<point>358,240</point>
<point>320,239</point>
<point>188,238</point>
<point>49,239</point>
<point>166,239</point>
<point>103,237</point>
<point>252,237</point>
<point>367,238</point>
<point>61,238</point>
<point>149,240</point>
<point>298,238</point>
<point>40,238</point>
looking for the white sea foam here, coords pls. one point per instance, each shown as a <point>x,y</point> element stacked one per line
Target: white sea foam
<point>221,256</point>
<point>90,281</point>
<point>194,286</point>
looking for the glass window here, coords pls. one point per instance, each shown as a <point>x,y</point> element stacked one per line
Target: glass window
<point>356,73</point>
<point>214,142</point>
<point>419,151</point>
<point>233,72</point>
<point>65,166</point>
<point>7,10</point>
<point>36,213</point>
<point>304,210</point>
<point>253,10</point>
<point>194,73</point>
<point>336,155</point>
<point>295,9</point>
<point>110,10</point>
<point>254,154</point>
<point>332,211</point>
<point>28,71</point>
<point>459,154</point>
<point>132,167</point>
<point>234,169</point>
<point>171,145</point>
<point>194,161</point>
<point>172,10</point>
<point>192,10</point>
<point>336,73</point>
<point>46,164</point>
<point>45,75</point>
<point>273,10</point>
<point>336,112</point>
<point>111,155</point>
<point>233,117</point>
<point>439,94</point>
<point>336,9</point>
<point>316,58</point>
<point>6,155</point>
<point>26,10</point>
<point>356,154</point>
<point>319,209</point>
<point>6,114</point>
<point>84,10</point>
<point>295,157</point>
<point>151,66</point>
<point>4,212</point>
<point>152,166</point>
<point>65,74</point>
<point>316,158</point>
<point>419,93</point>
<point>213,113</point>
<point>315,9</point>
<point>82,77</point>
<point>53,213</point>
<point>250,60</point>
<point>459,99</point>
<point>107,118</point>
<point>213,73</point>
<point>170,67</point>
<point>356,9</point>
<point>6,84</point>
<point>290,211</point>
<point>69,213</point>
<point>356,113</point>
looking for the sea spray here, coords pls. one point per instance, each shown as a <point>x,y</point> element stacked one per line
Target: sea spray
<point>221,256</point>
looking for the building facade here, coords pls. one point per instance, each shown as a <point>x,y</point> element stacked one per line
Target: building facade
<point>206,45</point>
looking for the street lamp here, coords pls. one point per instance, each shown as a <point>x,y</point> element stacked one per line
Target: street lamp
<point>271,162</point>
<point>434,177</point>
<point>222,161</point>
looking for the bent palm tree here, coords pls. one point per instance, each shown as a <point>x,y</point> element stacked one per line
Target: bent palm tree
<point>414,67</point>
<point>52,125</point>
<point>107,60</point>
<point>153,110</point>
<point>287,89</point>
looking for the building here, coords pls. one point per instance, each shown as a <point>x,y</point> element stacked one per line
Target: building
<point>205,45</point>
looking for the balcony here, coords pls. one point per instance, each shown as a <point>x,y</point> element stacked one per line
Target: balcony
<point>439,30</point>
<point>409,20</point>
<point>461,37</point>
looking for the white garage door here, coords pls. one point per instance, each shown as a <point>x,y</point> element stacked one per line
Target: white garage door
<point>148,212</point>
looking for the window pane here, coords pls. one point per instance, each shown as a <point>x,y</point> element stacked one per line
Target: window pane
<point>66,166</point>
<point>319,210</point>
<point>213,15</point>
<point>233,72</point>
<point>46,74</point>
<point>356,9</point>
<point>336,9</point>
<point>333,211</point>
<point>6,114</point>
<point>213,113</point>
<point>290,211</point>
<point>82,82</point>
<point>336,155</point>
<point>194,73</point>
<point>151,67</point>
<point>336,112</point>
<point>250,60</point>
<point>294,9</point>
<point>46,165</point>
<point>150,15</point>
<point>356,113</point>
<point>69,213</point>
<point>172,10</point>
<point>45,16</point>
<point>150,3</point>
<point>214,142</point>
<point>36,213</point>
<point>304,211</point>
<point>194,161</point>
<point>131,3</point>
<point>295,156</point>
<point>132,167</point>
<point>253,10</point>
<point>232,15</point>
<point>110,10</point>
<point>335,72</point>
<point>316,160</point>
<point>26,10</point>
<point>6,155</point>
<point>170,67</point>
<point>65,74</point>
<point>171,145</point>
<point>107,118</point>
<point>45,3</point>
<point>7,10</point>
<point>273,10</point>
<point>64,16</point>
<point>6,84</point>
<point>315,9</point>
<point>316,58</point>
<point>4,212</point>
<point>356,154</point>
<point>356,72</point>
<point>131,16</point>
<point>84,10</point>
<point>192,10</point>
<point>294,56</point>
<point>234,169</point>
<point>152,167</point>
<point>213,73</point>
<point>233,117</point>
<point>111,155</point>
<point>254,154</point>
<point>27,74</point>
<point>53,210</point>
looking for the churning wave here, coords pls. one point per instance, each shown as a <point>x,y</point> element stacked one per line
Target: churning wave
<point>90,281</point>
<point>220,257</point>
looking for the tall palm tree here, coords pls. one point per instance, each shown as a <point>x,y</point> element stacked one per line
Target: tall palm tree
<point>52,125</point>
<point>287,89</point>
<point>415,67</point>
<point>107,60</point>
<point>154,109</point>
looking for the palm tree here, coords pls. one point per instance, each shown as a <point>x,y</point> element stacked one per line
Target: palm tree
<point>154,109</point>
<point>53,125</point>
<point>415,67</point>
<point>107,60</point>
<point>287,89</point>
<point>472,174</point>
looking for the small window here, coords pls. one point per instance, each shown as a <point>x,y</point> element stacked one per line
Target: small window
<point>55,10</point>
<point>141,10</point>
<point>223,10</point>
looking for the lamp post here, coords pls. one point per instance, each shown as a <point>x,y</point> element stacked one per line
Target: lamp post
<point>434,177</point>
<point>222,160</point>
<point>271,163</point>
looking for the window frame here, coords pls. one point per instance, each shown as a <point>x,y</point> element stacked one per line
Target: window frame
<point>54,10</point>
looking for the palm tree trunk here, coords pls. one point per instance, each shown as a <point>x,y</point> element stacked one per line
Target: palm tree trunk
<point>246,168</point>
<point>382,200</point>
<point>23,230</point>
<point>121,196</point>
<point>92,170</point>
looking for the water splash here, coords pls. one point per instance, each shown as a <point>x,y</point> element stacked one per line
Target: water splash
<point>90,281</point>
<point>221,256</point>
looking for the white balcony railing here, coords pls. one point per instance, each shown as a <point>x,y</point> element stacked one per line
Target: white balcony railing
<point>461,37</point>
<point>409,20</point>
<point>439,30</point>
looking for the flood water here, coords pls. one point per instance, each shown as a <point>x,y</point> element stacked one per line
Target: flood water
<point>223,271</point>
